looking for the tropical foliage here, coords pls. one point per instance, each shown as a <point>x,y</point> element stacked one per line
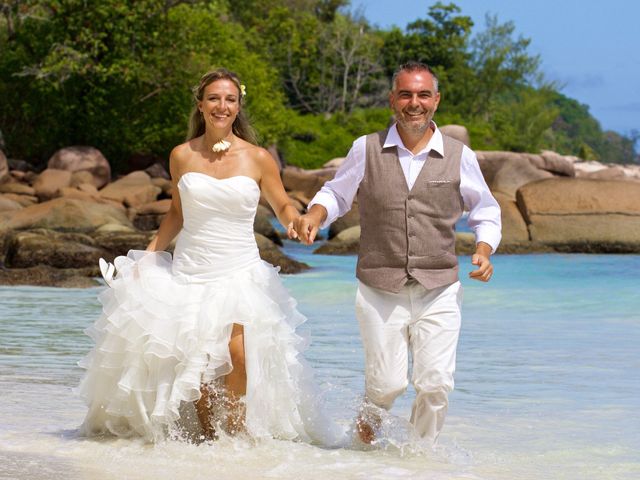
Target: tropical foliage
<point>116,74</point>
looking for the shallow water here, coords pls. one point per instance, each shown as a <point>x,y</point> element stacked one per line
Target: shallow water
<point>547,385</point>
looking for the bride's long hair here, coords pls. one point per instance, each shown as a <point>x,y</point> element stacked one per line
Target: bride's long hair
<point>241,126</point>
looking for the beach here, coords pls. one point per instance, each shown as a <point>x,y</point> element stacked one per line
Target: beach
<point>547,383</point>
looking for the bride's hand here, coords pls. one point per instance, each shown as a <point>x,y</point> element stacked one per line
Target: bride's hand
<point>291,232</point>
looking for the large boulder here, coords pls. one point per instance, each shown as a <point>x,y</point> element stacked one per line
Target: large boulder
<point>297,179</point>
<point>513,174</point>
<point>4,165</point>
<point>270,253</point>
<point>133,190</point>
<point>67,214</point>
<point>514,228</point>
<point>118,241</point>
<point>347,242</point>
<point>557,164</point>
<point>46,276</point>
<point>50,182</point>
<point>23,200</point>
<point>9,205</point>
<point>348,220</point>
<point>45,247</point>
<point>83,158</point>
<point>150,215</point>
<point>262,225</point>
<point>614,172</point>
<point>17,188</point>
<point>583,215</point>
<point>459,132</point>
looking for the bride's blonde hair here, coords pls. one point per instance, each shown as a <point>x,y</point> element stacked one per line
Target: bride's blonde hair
<point>241,126</point>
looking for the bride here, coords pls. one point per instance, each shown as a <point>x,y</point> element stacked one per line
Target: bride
<point>212,327</point>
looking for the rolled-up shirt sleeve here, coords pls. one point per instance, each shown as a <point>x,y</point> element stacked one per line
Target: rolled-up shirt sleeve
<point>337,195</point>
<point>484,211</point>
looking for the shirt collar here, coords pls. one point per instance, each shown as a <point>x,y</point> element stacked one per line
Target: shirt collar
<point>435,143</point>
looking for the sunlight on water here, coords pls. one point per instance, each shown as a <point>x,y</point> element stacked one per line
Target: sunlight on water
<point>547,385</point>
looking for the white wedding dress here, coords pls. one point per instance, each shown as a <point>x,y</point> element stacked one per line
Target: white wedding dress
<point>166,325</point>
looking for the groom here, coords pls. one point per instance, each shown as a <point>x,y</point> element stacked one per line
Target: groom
<point>413,184</point>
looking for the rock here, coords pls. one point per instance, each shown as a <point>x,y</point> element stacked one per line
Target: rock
<point>335,163</point>
<point>299,197</point>
<point>348,220</point>
<point>165,185</point>
<point>70,192</point>
<point>50,182</point>
<point>17,188</point>
<point>24,200</point>
<point>513,174</point>
<point>270,253</point>
<point>9,205</point>
<point>150,215</point>
<point>458,132</point>
<point>273,151</point>
<point>157,170</point>
<point>615,172</point>
<point>18,175</point>
<point>264,211</point>
<point>67,214</point>
<point>83,158</point>
<point>118,242</point>
<point>347,242</point>
<point>45,247</point>
<point>297,179</point>
<point>4,165</point>
<point>588,167</point>
<point>82,177</point>
<point>159,207</point>
<point>465,243</point>
<point>46,276</point>
<point>262,225</point>
<point>514,228</point>
<point>582,215</point>
<point>557,164</point>
<point>20,165</point>
<point>133,190</point>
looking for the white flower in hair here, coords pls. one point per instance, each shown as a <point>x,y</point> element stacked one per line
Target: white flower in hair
<point>243,90</point>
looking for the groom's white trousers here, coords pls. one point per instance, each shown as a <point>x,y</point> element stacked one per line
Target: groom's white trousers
<point>424,323</point>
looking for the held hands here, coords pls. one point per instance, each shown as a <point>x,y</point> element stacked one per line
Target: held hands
<point>291,231</point>
<point>481,259</point>
<point>307,225</point>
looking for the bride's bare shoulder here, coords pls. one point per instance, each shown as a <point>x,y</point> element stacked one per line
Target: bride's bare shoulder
<point>185,150</point>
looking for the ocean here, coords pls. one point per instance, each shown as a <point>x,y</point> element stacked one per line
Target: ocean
<point>547,383</point>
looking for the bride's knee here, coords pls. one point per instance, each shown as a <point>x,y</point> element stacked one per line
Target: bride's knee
<point>236,348</point>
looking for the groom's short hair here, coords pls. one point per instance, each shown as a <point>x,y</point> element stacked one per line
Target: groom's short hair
<point>414,67</point>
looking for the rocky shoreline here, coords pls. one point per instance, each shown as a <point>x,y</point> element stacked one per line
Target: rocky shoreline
<point>56,224</point>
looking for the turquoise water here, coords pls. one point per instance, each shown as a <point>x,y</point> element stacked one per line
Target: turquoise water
<point>548,383</point>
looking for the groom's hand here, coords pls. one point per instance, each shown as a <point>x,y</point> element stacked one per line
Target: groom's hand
<point>481,260</point>
<point>307,225</point>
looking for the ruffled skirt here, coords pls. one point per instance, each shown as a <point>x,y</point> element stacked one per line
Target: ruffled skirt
<point>161,336</point>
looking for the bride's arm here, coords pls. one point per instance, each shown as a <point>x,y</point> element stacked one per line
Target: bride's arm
<point>273,190</point>
<point>172,222</point>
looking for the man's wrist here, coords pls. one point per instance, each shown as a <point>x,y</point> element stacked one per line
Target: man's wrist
<point>318,213</point>
<point>484,249</point>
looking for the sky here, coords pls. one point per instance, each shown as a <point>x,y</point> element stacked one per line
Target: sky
<point>590,47</point>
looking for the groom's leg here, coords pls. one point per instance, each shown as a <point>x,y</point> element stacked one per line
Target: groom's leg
<point>383,319</point>
<point>433,336</point>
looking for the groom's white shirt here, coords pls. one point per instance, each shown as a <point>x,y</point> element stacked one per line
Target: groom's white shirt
<point>484,213</point>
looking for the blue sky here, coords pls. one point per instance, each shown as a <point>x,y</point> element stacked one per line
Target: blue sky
<point>592,48</point>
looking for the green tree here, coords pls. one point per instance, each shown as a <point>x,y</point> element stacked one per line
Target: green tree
<point>117,75</point>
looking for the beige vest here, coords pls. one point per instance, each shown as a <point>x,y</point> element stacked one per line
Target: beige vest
<point>408,233</point>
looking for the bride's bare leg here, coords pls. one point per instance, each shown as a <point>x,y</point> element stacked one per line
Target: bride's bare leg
<point>203,409</point>
<point>236,381</point>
